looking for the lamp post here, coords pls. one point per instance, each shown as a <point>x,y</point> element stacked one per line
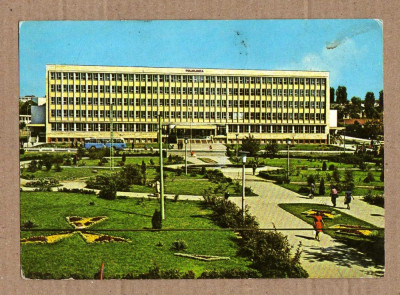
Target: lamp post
<point>237,144</point>
<point>191,120</point>
<point>186,156</point>
<point>288,162</point>
<point>244,158</point>
<point>161,168</point>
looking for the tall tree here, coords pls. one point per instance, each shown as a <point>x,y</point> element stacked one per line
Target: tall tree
<point>381,101</point>
<point>369,105</point>
<point>251,145</point>
<point>341,95</point>
<point>332,95</point>
<point>355,107</point>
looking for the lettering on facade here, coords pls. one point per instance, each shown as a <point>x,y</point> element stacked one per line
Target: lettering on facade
<point>194,71</point>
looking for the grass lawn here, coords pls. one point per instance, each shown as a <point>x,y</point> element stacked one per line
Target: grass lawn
<point>372,245</point>
<point>74,257</point>
<point>69,173</point>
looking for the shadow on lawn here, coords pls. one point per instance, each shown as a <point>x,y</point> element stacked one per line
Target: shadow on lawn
<point>127,212</point>
<point>366,255</point>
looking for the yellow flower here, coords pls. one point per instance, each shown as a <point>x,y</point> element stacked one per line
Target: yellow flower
<point>56,238</point>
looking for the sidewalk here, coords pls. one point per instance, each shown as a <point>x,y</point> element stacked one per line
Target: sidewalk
<point>325,259</point>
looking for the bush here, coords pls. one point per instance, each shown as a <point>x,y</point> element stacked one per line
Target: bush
<point>370,177</point>
<point>58,168</point>
<point>324,166</point>
<point>156,273</point>
<point>377,200</point>
<point>28,224</point>
<point>310,179</point>
<point>331,167</point>
<point>156,220</point>
<point>179,245</point>
<point>21,151</point>
<point>109,191</point>
<point>32,166</point>
<point>322,187</point>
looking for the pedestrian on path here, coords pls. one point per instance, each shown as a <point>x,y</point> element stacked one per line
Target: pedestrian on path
<point>318,223</point>
<point>254,168</point>
<point>347,198</point>
<point>312,191</point>
<point>334,195</point>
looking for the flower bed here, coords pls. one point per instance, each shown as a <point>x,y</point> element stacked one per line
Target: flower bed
<point>47,240</point>
<point>351,230</point>
<point>93,238</point>
<point>325,213</point>
<point>84,222</point>
<point>202,257</point>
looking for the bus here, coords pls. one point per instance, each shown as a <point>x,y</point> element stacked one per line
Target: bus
<point>101,143</point>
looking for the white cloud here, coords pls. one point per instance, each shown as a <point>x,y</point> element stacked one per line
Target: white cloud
<point>335,61</point>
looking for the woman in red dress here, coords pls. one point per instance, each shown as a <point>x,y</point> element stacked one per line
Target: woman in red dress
<point>318,223</point>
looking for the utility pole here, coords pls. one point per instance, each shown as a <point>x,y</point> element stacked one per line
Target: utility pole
<point>161,168</point>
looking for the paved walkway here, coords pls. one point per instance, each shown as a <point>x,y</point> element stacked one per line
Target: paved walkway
<point>327,258</point>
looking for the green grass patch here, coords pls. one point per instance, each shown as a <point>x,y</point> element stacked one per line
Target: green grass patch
<point>67,173</point>
<point>73,257</point>
<point>372,245</point>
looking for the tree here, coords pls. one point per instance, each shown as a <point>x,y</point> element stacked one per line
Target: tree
<point>369,105</point>
<point>381,101</point>
<point>322,186</point>
<point>251,145</point>
<point>332,95</point>
<point>131,174</point>
<point>272,148</point>
<point>324,166</point>
<point>143,169</point>
<point>349,179</point>
<point>355,107</point>
<point>336,175</point>
<point>341,95</point>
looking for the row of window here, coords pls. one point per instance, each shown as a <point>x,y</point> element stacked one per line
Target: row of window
<point>186,90</point>
<point>154,127</point>
<point>189,115</point>
<point>185,78</point>
<point>189,102</point>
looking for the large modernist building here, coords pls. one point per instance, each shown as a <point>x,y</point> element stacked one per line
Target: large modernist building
<point>215,104</point>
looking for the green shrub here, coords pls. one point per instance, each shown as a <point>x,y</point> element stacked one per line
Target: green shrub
<point>21,151</point>
<point>179,245</point>
<point>28,224</point>
<point>370,177</point>
<point>109,191</point>
<point>378,200</point>
<point>331,167</point>
<point>32,166</point>
<point>156,220</point>
<point>322,187</point>
<point>324,166</point>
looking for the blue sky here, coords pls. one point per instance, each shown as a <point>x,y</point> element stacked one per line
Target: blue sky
<point>351,50</point>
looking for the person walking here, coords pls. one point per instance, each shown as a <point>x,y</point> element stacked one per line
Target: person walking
<point>334,195</point>
<point>254,166</point>
<point>312,190</point>
<point>318,224</point>
<point>347,198</point>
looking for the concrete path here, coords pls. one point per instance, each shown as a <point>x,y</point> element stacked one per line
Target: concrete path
<point>327,258</point>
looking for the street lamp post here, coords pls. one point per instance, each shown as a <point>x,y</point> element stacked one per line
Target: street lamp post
<point>288,161</point>
<point>162,209</point>
<point>244,158</point>
<point>191,120</point>
<point>186,155</point>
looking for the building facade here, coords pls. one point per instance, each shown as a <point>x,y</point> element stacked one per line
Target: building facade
<point>215,104</point>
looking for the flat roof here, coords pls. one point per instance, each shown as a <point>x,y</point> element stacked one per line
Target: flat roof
<point>193,71</point>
